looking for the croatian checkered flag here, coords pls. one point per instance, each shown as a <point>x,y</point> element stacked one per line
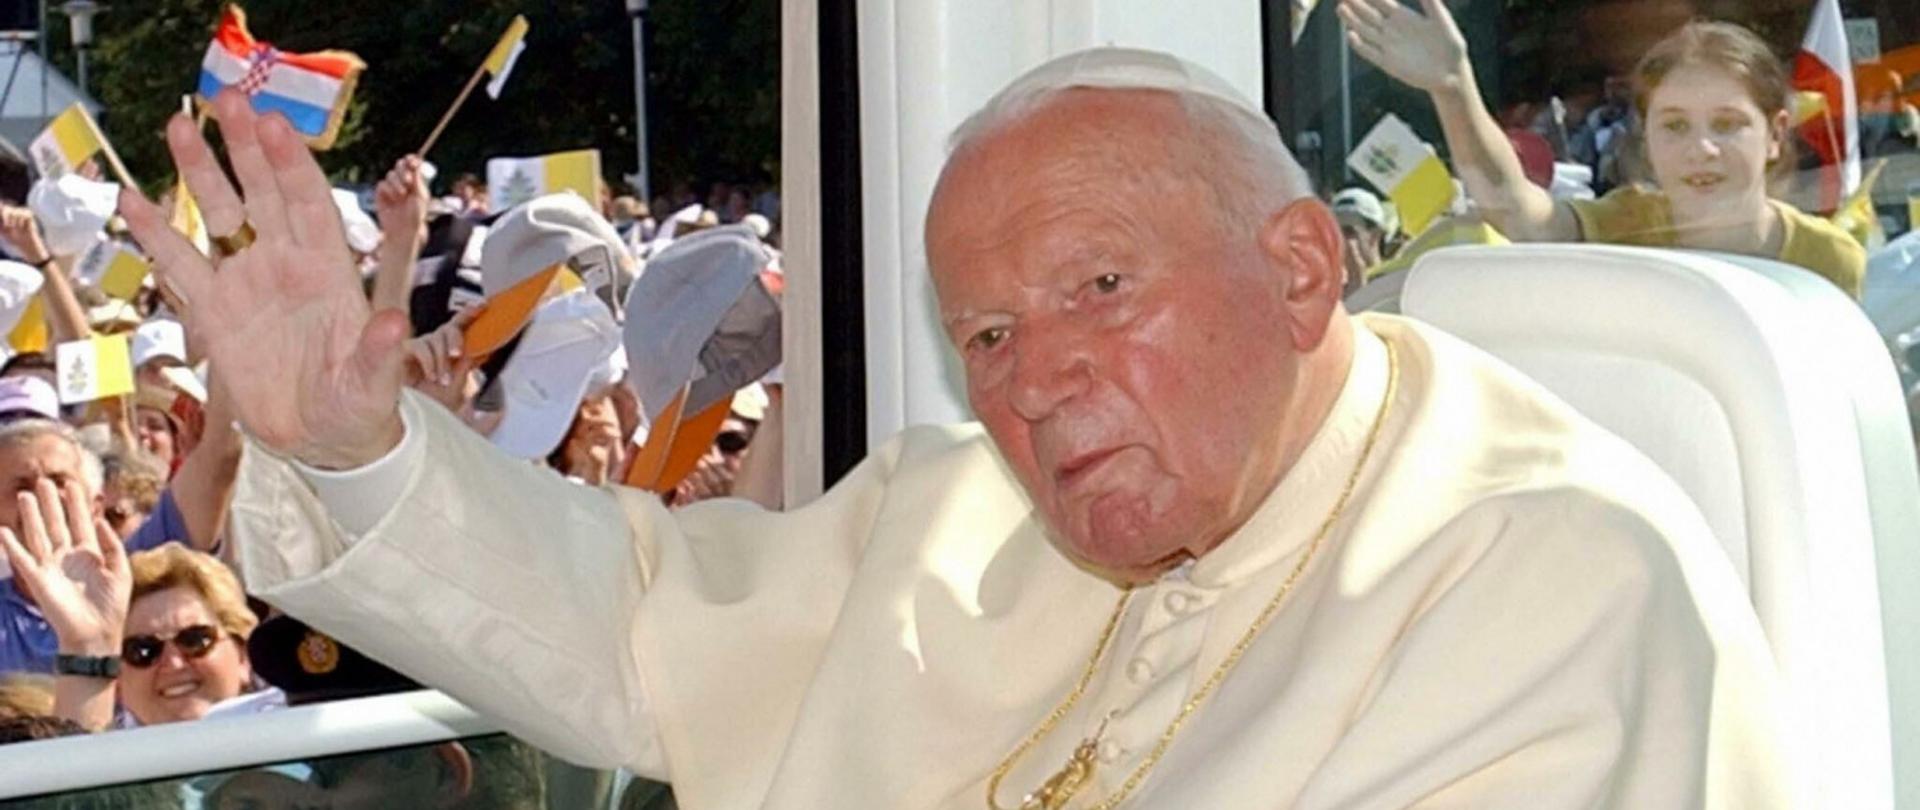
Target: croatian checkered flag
<point>310,89</point>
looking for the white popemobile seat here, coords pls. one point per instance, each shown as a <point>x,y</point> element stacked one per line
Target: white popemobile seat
<point>1765,392</point>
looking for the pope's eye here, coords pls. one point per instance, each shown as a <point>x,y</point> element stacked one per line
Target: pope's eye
<point>986,339</point>
<point>1107,283</point>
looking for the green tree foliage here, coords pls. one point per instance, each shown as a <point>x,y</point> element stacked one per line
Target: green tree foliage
<point>713,80</point>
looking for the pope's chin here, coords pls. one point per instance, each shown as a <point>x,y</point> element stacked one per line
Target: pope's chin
<point>1116,536</point>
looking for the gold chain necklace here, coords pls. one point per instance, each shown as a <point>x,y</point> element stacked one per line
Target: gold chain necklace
<point>1060,789</point>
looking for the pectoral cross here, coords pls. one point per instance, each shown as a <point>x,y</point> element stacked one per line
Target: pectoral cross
<point>1060,788</point>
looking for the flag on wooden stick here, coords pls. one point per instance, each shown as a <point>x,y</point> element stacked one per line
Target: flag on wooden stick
<point>69,140</point>
<point>505,53</point>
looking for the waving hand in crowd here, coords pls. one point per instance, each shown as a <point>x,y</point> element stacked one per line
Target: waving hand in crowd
<point>74,566</point>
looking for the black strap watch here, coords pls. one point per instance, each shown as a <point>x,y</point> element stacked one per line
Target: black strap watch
<point>87,666</point>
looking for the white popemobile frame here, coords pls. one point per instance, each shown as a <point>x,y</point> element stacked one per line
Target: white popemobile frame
<point>189,749</point>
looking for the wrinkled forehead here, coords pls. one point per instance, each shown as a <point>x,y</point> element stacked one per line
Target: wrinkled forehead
<point>1077,143</point>
<point>1091,171</point>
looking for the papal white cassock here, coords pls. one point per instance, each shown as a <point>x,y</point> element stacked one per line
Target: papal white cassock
<point>1515,611</point>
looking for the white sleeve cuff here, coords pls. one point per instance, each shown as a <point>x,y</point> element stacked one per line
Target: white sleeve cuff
<point>361,497</point>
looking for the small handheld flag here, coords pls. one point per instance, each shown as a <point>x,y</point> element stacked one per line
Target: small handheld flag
<point>31,334</point>
<point>310,89</point>
<point>499,63</point>
<point>1856,215</point>
<point>1396,161</point>
<point>93,368</point>
<point>512,181</point>
<point>68,141</point>
<point>505,53</point>
<point>71,139</point>
<point>115,268</point>
<point>1822,68</point>
<point>186,210</point>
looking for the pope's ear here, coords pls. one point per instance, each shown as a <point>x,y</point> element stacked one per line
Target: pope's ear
<point>1302,242</point>
<point>456,771</point>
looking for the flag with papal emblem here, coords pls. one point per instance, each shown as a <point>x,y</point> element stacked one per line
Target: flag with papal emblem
<point>1397,162</point>
<point>93,368</point>
<point>70,139</point>
<point>310,89</point>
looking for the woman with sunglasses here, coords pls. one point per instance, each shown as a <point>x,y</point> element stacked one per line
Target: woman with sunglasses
<point>185,643</point>
<point>166,630</point>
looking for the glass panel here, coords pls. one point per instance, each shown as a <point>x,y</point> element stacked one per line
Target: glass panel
<point>1565,91</point>
<point>494,772</point>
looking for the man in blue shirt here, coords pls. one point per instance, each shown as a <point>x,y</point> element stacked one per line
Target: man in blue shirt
<point>31,449</point>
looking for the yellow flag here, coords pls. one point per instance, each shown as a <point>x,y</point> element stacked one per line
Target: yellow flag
<point>68,141</point>
<point>512,181</point>
<point>115,268</point>
<point>1856,215</point>
<point>94,368</point>
<point>30,334</point>
<point>1806,105</point>
<point>1396,161</point>
<point>504,54</point>
<point>186,217</point>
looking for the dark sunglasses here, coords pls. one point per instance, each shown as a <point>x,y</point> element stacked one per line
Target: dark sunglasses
<point>195,641</point>
<point>731,442</point>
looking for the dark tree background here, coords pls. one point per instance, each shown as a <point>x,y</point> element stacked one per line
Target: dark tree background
<point>713,81</point>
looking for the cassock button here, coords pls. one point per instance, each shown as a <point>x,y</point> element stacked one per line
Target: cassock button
<point>1179,602</point>
<point>1110,751</point>
<point>1139,670</point>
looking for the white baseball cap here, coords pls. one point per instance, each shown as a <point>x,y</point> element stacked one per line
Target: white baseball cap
<point>540,233</point>
<point>565,347</point>
<point>1359,204</point>
<point>159,338</point>
<point>71,211</point>
<point>532,247</point>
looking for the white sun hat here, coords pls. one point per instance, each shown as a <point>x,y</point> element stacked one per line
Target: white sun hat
<point>565,347</point>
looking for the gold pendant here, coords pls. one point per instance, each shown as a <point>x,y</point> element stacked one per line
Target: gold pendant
<point>1060,788</point>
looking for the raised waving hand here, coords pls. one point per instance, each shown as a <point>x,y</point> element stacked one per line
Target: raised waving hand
<point>73,565</point>
<point>1421,47</point>
<point>314,373</point>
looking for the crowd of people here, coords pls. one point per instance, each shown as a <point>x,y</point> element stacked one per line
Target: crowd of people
<point>120,599</point>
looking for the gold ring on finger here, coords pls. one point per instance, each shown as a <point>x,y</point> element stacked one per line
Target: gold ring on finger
<point>225,246</point>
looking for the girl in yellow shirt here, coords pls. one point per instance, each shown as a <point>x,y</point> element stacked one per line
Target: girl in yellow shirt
<point>1712,101</point>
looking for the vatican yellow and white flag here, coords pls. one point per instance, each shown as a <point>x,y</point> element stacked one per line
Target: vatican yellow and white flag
<point>1407,169</point>
<point>69,140</point>
<point>94,368</point>
<point>512,181</point>
<point>505,53</point>
<point>115,268</point>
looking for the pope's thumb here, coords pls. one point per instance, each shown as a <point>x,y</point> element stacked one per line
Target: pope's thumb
<point>380,354</point>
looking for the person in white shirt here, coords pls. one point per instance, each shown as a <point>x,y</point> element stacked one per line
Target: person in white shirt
<point>1214,544</point>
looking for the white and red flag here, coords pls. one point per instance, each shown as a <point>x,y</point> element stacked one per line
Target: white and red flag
<point>1822,68</point>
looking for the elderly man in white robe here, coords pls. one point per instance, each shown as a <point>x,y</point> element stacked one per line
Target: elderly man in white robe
<point>1214,544</point>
